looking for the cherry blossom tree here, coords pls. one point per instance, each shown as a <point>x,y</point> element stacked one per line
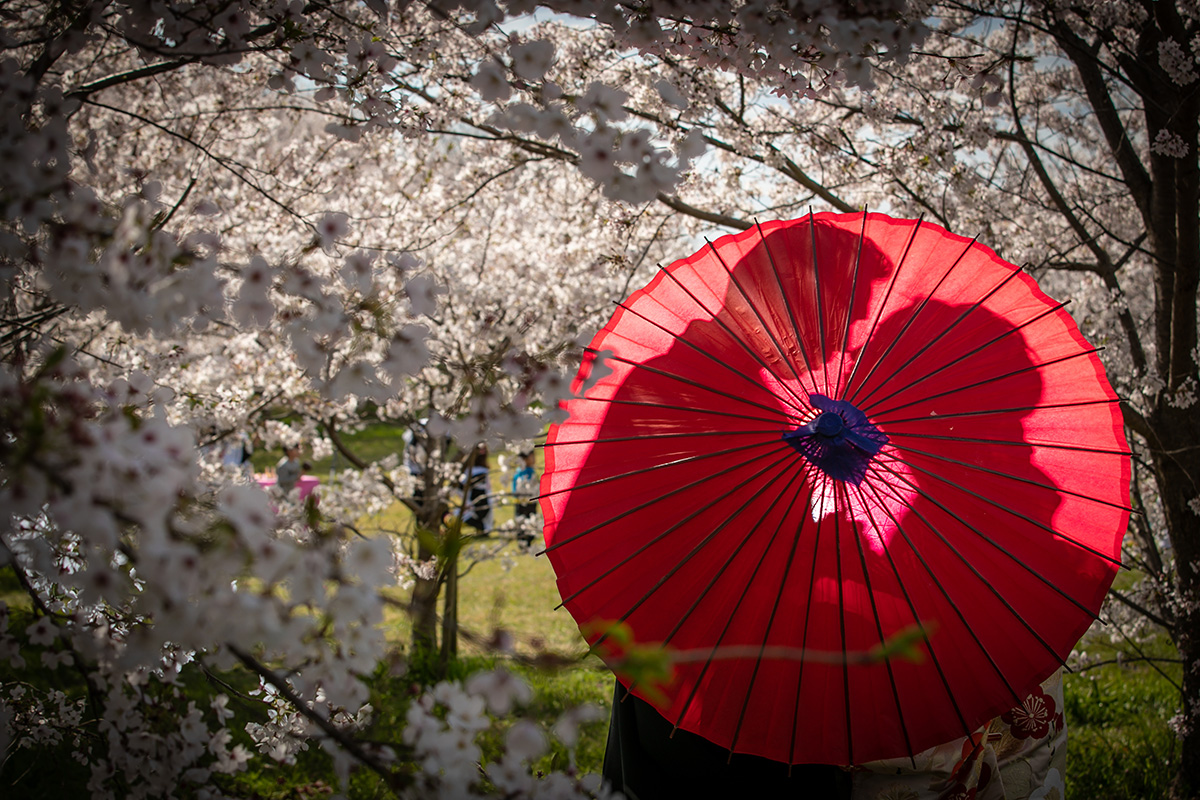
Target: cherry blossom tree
<point>289,218</point>
<point>283,219</point>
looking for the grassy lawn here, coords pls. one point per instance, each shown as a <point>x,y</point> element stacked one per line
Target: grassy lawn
<point>1119,742</point>
<point>376,441</point>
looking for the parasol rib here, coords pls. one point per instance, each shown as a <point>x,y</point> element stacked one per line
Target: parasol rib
<point>742,543</point>
<point>1046,581</point>
<point>841,584</point>
<point>672,407</point>
<point>682,562</point>
<point>641,507</point>
<point>887,296</point>
<point>774,608</point>
<point>787,300</point>
<point>1047,312</point>
<point>851,395</point>
<point>986,411</point>
<point>908,599</point>
<point>664,465</point>
<point>862,235</point>
<point>862,560</point>
<point>1010,476</point>
<point>696,384</point>
<point>816,265</point>
<point>746,347</point>
<point>975,571</point>
<point>641,437</point>
<point>995,504</point>
<point>1078,448</point>
<point>985,381</point>
<point>665,533</point>
<point>788,360</point>
<point>724,364</point>
<point>1016,698</point>
<point>973,307</point>
<point>729,621</point>
<point>812,582</point>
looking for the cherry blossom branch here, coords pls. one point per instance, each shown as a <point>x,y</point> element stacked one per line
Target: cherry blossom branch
<point>923,202</point>
<point>93,689</point>
<point>1138,607</point>
<point>129,76</point>
<point>335,437</point>
<point>219,160</point>
<point>673,201</point>
<point>249,415</point>
<point>55,47</point>
<point>1122,661</point>
<point>395,780</point>
<point>1142,654</point>
<point>905,118</point>
<point>1120,145</point>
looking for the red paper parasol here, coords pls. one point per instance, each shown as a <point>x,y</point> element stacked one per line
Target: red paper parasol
<point>816,435</point>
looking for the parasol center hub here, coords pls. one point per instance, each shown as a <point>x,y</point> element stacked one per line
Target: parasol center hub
<point>830,424</point>
<point>839,441</point>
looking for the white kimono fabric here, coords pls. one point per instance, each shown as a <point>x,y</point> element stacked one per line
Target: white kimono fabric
<point>1020,755</point>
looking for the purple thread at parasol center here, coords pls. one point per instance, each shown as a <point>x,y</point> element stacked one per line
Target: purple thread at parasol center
<point>840,441</point>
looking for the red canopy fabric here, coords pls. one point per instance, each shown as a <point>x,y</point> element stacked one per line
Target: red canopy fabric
<point>815,435</point>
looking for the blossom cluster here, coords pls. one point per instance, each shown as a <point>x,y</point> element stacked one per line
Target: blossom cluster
<point>443,724</point>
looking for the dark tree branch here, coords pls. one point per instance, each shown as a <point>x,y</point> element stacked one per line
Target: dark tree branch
<point>1106,269</point>
<point>1138,607</point>
<point>219,160</point>
<point>1087,65</point>
<point>80,15</point>
<point>1139,425</point>
<point>672,201</point>
<point>1142,654</point>
<point>396,780</point>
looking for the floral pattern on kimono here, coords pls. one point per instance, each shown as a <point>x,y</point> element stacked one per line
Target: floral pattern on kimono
<point>1020,755</point>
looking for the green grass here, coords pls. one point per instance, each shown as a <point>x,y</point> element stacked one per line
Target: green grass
<point>554,693</point>
<point>515,593</point>
<point>1119,743</point>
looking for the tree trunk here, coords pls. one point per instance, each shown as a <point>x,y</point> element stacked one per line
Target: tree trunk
<point>1176,471</point>
<point>1186,785</point>
<point>422,608</point>
<point>450,614</point>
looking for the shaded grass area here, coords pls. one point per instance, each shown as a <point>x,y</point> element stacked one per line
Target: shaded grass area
<point>1120,743</point>
<point>48,770</point>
